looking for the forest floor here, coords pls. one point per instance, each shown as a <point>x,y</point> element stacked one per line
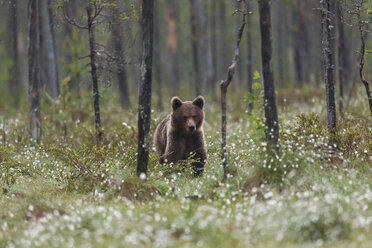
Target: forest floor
<point>67,192</point>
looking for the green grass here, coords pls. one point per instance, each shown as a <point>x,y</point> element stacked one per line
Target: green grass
<point>69,193</point>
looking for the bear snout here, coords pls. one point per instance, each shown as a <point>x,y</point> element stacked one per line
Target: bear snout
<point>190,125</point>
<point>191,128</point>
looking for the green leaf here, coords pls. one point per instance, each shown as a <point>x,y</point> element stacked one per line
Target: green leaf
<point>250,98</point>
<point>261,95</point>
<point>256,85</point>
<point>252,119</point>
<point>65,81</point>
<point>368,51</point>
<point>369,12</point>
<point>109,5</point>
<point>256,75</point>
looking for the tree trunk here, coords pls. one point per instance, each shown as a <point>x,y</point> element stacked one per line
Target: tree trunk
<point>70,8</point>
<point>280,49</point>
<point>117,35</point>
<point>172,44</point>
<point>144,104</point>
<point>249,55</point>
<point>206,54</point>
<point>297,52</point>
<point>213,49</point>
<point>15,86</point>
<point>272,125</point>
<point>157,69</point>
<point>328,66</point>
<point>239,66</point>
<point>92,55</point>
<point>342,56</point>
<point>332,16</point>
<point>34,71</point>
<point>195,46</point>
<point>223,86</point>
<point>222,38</point>
<point>301,46</point>
<point>43,57</point>
<point>306,56</point>
<point>52,84</point>
<point>363,36</point>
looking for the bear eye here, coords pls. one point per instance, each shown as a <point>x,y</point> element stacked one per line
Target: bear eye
<point>185,118</point>
<point>194,117</point>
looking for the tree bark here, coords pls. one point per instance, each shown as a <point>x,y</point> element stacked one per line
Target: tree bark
<point>92,55</point>
<point>144,104</point>
<point>34,71</point>
<point>297,52</point>
<point>213,49</point>
<point>158,69</point>
<point>206,54</point>
<point>239,66</point>
<point>70,9</point>
<point>332,16</point>
<point>52,84</point>
<point>342,56</point>
<point>363,35</point>
<point>249,55</point>
<point>280,22</point>
<point>172,44</point>
<point>328,66</point>
<point>195,46</point>
<point>222,38</point>
<point>223,86</point>
<point>43,57</point>
<point>272,125</point>
<point>117,35</point>
<point>15,86</point>
<point>301,46</point>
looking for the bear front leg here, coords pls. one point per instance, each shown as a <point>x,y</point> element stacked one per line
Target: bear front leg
<point>198,148</point>
<point>198,167</point>
<point>175,150</point>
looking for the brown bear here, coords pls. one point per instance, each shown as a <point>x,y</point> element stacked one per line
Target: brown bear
<point>181,134</point>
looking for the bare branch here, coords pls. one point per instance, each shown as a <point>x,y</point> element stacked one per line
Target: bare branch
<point>70,21</point>
<point>231,69</point>
<point>363,36</point>
<point>223,86</point>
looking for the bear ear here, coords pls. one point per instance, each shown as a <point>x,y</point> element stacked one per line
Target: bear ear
<point>199,101</point>
<point>176,103</point>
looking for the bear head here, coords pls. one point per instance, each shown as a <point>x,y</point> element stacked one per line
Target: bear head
<point>187,117</point>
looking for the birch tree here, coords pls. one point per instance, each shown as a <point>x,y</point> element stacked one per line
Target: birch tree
<point>327,51</point>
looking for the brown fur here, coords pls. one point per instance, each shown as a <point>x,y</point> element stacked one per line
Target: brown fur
<point>174,138</point>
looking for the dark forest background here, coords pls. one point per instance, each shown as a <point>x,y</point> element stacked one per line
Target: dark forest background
<point>296,27</point>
